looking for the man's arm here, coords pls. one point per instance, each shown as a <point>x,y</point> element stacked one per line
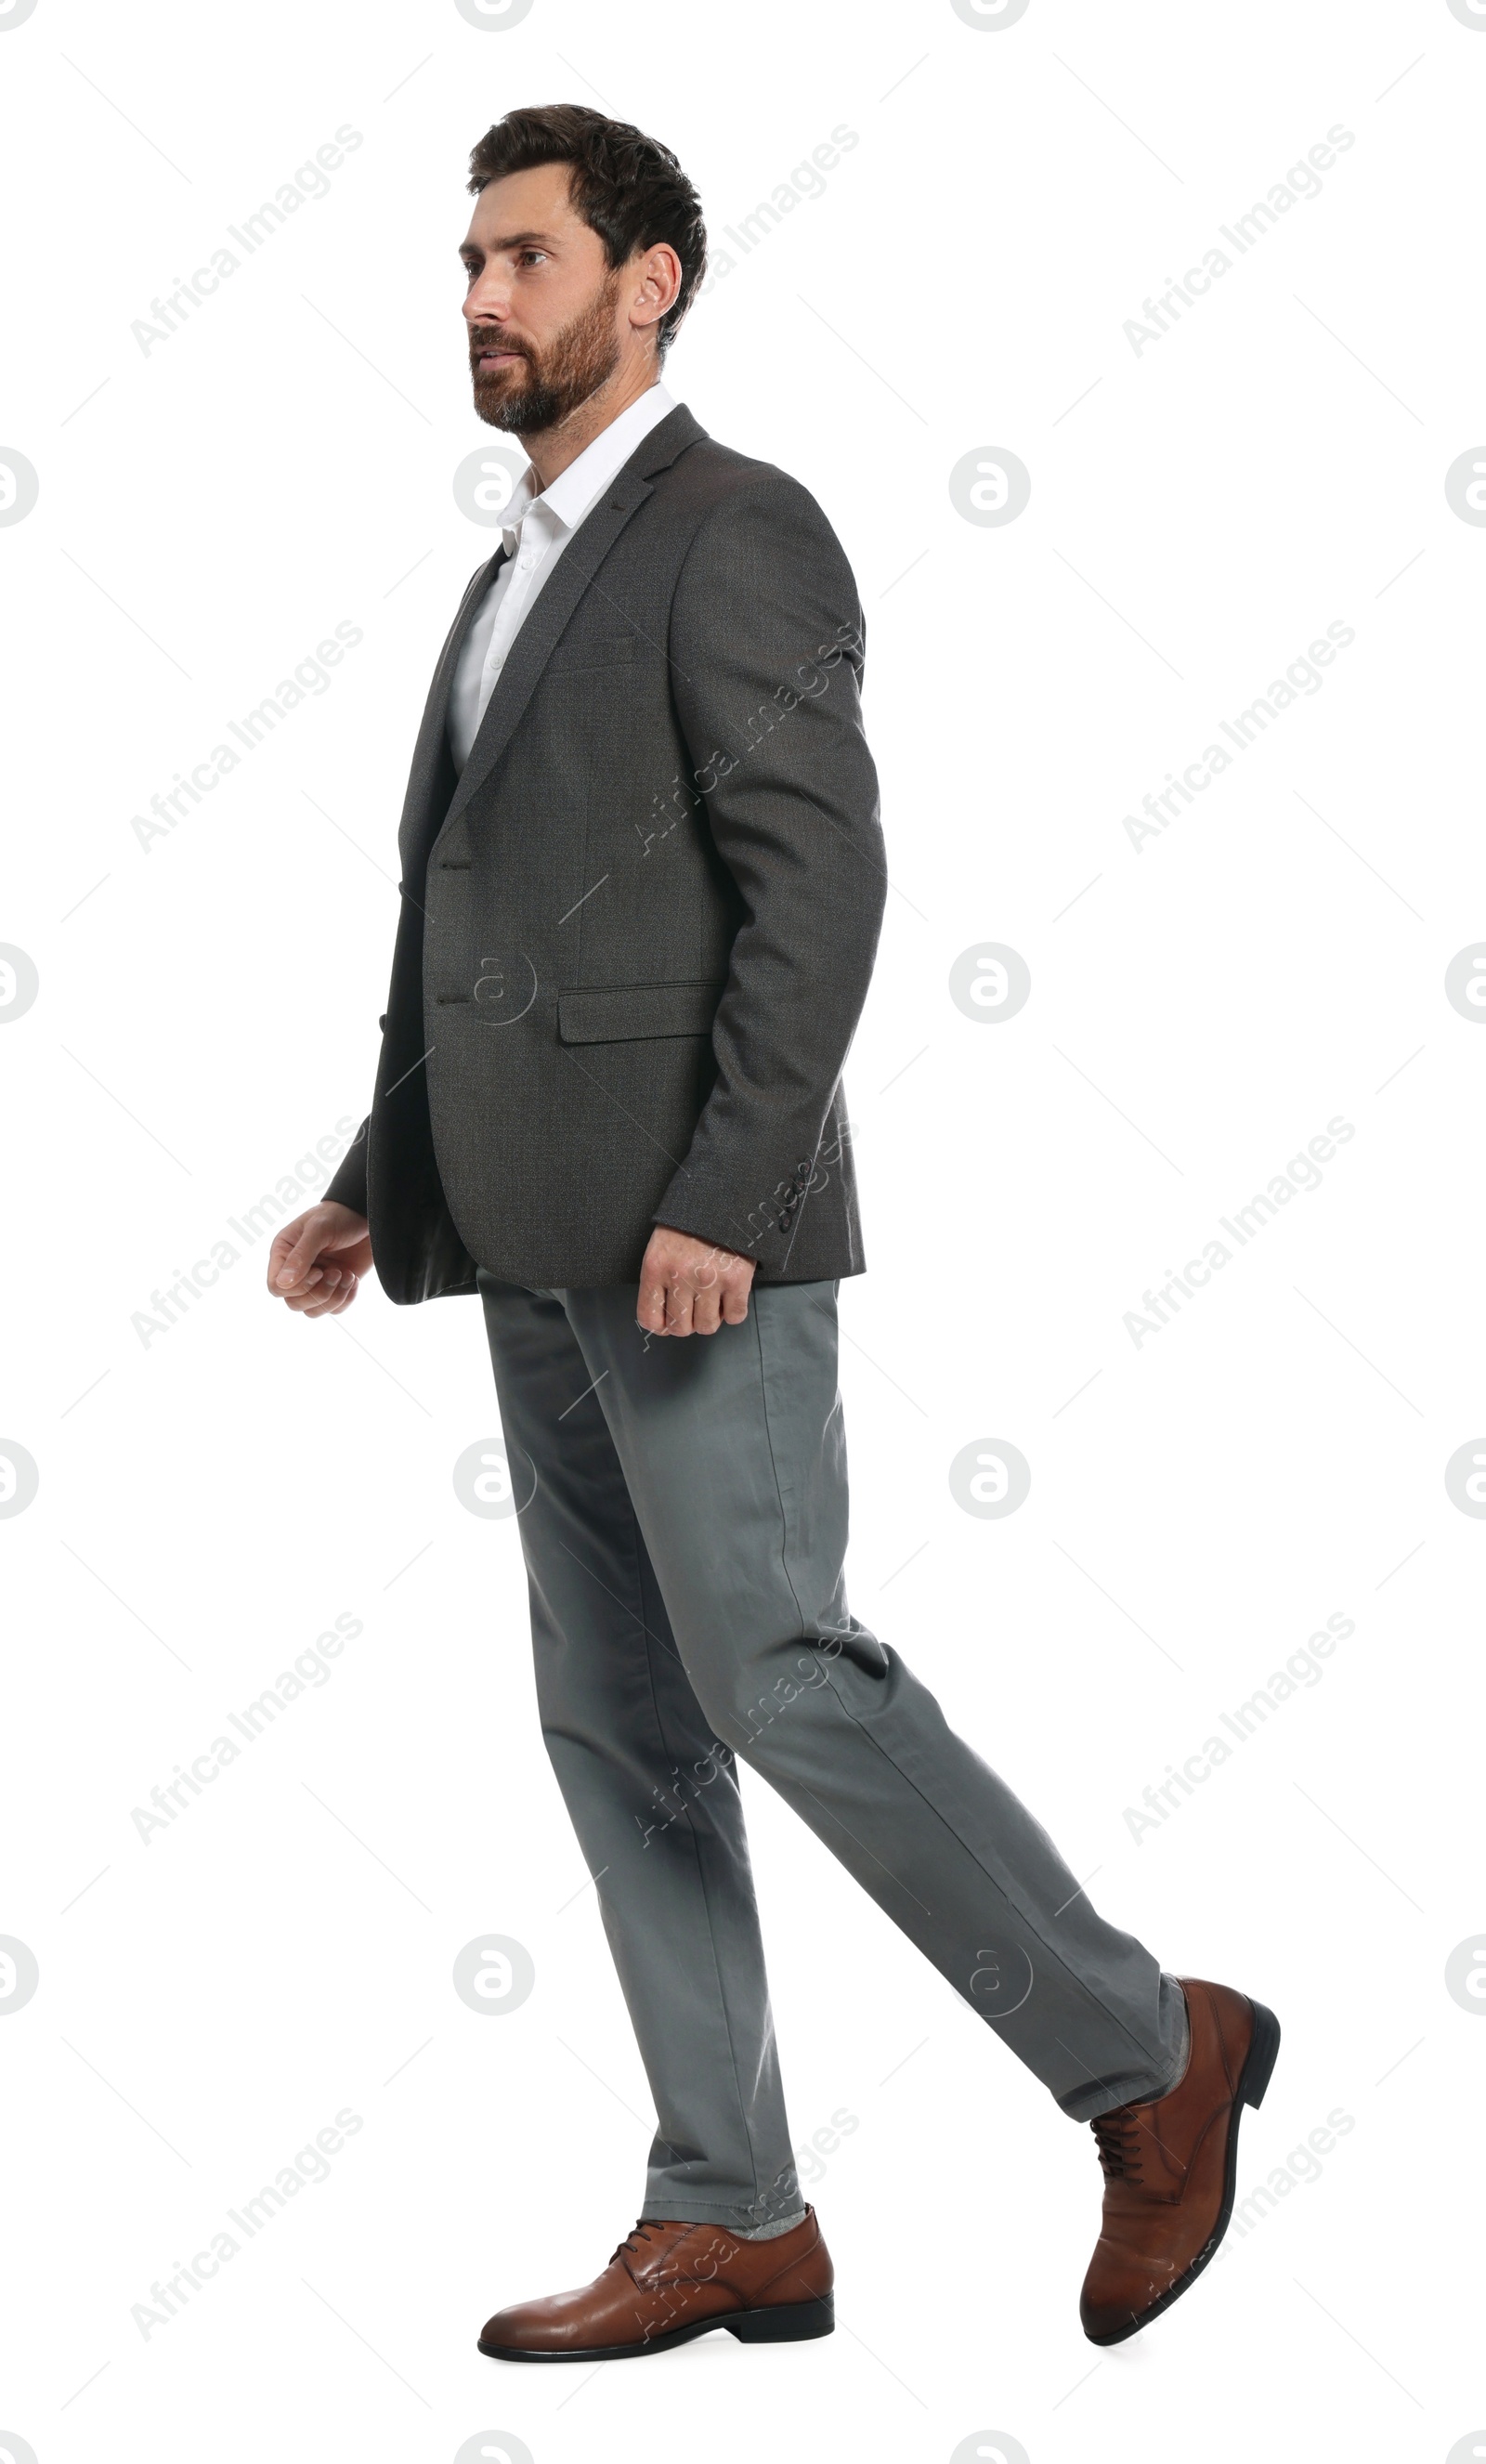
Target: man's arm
<point>321,1280</point>
<point>347,1184</point>
<point>766,651</point>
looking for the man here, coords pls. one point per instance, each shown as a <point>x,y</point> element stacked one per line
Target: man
<point>641,883</point>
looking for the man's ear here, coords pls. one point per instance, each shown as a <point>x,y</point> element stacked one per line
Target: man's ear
<point>659,272</point>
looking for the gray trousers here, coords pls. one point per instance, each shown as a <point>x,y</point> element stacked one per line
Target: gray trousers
<point>684,1519</point>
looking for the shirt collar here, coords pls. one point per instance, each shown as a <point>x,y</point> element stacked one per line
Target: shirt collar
<point>573,492</point>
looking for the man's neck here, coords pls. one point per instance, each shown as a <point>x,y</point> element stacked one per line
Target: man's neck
<point>550,450</point>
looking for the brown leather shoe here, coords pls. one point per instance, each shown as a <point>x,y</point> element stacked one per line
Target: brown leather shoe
<point>1168,2165</point>
<point>669,2282</point>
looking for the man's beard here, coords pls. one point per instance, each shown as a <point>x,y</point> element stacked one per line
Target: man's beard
<point>575,364</point>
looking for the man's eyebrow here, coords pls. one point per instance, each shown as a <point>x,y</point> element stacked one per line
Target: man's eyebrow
<point>508,240</point>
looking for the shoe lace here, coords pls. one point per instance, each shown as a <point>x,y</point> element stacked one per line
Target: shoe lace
<point>631,2241</point>
<point>1118,2141</point>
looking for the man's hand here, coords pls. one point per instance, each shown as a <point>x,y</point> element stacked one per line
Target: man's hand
<point>318,1261</point>
<point>687,1286</point>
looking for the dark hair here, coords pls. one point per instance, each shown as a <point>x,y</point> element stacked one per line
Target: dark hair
<point>626,186</point>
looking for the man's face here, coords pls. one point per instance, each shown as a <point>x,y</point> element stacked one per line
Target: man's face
<point>545,324</point>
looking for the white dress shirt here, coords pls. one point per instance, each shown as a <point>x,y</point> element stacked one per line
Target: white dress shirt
<point>539,524</point>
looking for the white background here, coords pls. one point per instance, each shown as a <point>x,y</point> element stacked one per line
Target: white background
<point>212,1499</point>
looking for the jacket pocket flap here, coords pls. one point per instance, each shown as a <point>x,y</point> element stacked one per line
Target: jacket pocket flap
<point>606,650</point>
<point>613,1013</point>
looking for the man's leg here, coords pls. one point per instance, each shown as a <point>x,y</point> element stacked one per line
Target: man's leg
<point>656,1809</point>
<point>732,1453</point>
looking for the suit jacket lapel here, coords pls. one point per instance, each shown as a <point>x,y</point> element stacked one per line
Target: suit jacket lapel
<point>430,752</point>
<point>561,592</point>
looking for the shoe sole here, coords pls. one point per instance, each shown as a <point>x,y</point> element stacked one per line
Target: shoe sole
<point>785,2323</point>
<point>1253,2080</point>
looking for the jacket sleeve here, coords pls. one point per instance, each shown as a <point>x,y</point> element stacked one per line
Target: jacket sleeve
<point>766,649</point>
<point>347,1183</point>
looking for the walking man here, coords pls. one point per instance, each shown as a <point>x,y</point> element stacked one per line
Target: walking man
<point>643,879</point>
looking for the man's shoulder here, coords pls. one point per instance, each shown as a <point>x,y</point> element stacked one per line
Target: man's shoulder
<point>709,473</point>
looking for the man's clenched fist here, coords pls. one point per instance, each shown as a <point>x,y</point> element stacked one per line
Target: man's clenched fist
<point>318,1261</point>
<point>688,1287</point>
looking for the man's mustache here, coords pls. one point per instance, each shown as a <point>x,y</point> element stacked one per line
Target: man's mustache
<point>493,340</point>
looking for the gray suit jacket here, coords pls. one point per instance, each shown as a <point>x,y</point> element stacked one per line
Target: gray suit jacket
<point>637,930</point>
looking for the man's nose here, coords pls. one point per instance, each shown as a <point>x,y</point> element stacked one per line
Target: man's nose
<point>487,302</point>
